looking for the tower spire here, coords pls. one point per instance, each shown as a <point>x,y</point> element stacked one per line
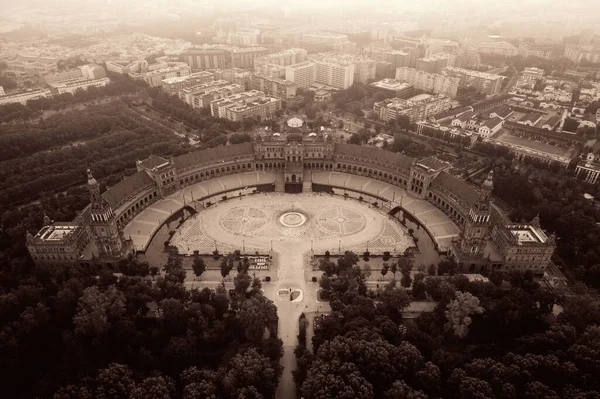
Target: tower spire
<point>94,188</point>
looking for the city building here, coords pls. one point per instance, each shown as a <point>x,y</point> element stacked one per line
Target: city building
<point>155,74</point>
<point>124,66</point>
<point>71,86</point>
<point>243,37</point>
<point>244,57</point>
<point>486,83</point>
<point>55,77</point>
<point>417,108</point>
<point>334,72</point>
<point>275,87</point>
<point>2,91</point>
<point>498,47</point>
<point>396,58</point>
<point>530,76</point>
<point>172,86</point>
<point>303,74</point>
<point>202,95</point>
<point>577,53</point>
<point>207,58</point>
<point>588,170</point>
<point>286,57</point>
<point>483,239</point>
<point>58,244</point>
<point>92,71</point>
<point>249,104</point>
<point>322,95</point>
<point>235,75</point>
<point>271,70</point>
<point>392,87</point>
<point>490,127</point>
<point>24,96</point>
<point>434,46</point>
<point>436,63</point>
<point>345,47</point>
<point>539,50</point>
<point>434,83</point>
<point>324,37</point>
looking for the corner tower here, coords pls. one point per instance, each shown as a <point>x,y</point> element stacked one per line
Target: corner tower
<point>477,226</point>
<point>102,222</point>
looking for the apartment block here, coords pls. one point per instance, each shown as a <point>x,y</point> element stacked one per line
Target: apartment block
<point>249,104</point>
<point>202,95</point>
<point>71,86</point>
<point>207,58</point>
<point>303,74</point>
<point>397,58</point>
<point>283,58</point>
<point>486,83</point>
<point>155,74</point>
<point>244,57</point>
<point>436,63</point>
<point>334,73</point>
<point>580,53</point>
<point>417,108</point>
<point>275,87</point>
<point>270,70</point>
<point>24,96</point>
<point>172,86</point>
<point>235,75</point>
<point>497,47</point>
<point>431,82</point>
<point>392,87</point>
<point>324,37</point>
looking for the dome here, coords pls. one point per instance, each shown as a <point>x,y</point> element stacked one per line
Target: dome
<point>295,122</point>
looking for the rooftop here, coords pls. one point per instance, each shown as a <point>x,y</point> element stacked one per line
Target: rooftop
<point>130,185</point>
<point>390,84</point>
<point>469,72</point>
<point>527,234</point>
<point>459,188</point>
<point>178,79</point>
<point>492,123</point>
<point>55,232</point>
<point>432,164</point>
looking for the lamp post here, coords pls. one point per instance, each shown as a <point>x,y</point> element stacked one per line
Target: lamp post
<point>271,245</point>
<point>243,246</point>
<point>339,245</point>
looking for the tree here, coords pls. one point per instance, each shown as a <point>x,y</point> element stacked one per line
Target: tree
<point>459,311</point>
<point>159,387</point>
<point>251,369</point>
<point>384,270</point>
<point>241,283</point>
<point>154,270</point>
<point>198,266</point>
<point>257,314</point>
<point>335,379</point>
<point>115,381</point>
<point>399,389</point>
<point>224,268</point>
<point>96,309</point>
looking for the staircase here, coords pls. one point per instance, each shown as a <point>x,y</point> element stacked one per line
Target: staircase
<point>307,181</point>
<point>279,181</point>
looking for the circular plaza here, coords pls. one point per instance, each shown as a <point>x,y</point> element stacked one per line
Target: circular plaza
<point>255,222</point>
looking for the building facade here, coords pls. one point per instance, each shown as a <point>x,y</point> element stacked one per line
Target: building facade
<point>250,104</point>
<point>275,87</point>
<point>434,83</point>
<point>303,74</point>
<point>486,83</point>
<point>417,108</point>
<point>172,86</point>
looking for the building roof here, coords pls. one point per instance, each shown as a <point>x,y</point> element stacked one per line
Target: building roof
<point>552,121</point>
<point>130,185</point>
<point>153,161</point>
<point>531,117</point>
<point>503,111</point>
<point>492,123</point>
<point>391,158</point>
<point>459,188</point>
<point>432,163</point>
<point>452,112</point>
<point>213,154</point>
<point>465,116</point>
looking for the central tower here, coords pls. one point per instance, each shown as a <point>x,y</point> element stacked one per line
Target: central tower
<point>102,222</point>
<point>477,226</point>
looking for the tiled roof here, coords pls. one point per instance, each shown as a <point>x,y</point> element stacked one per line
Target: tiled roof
<point>153,161</point>
<point>552,121</point>
<point>213,154</point>
<point>492,123</point>
<point>531,117</point>
<point>466,116</point>
<point>391,158</point>
<point>452,113</point>
<point>131,185</point>
<point>503,111</point>
<point>458,187</point>
<point>431,163</point>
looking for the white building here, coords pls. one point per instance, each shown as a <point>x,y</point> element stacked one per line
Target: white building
<point>202,95</point>
<point>250,104</point>
<point>303,74</point>
<point>486,83</point>
<point>1,91</point>
<point>497,47</point>
<point>431,82</point>
<point>172,86</point>
<point>71,86</point>
<point>417,108</point>
<point>155,74</point>
<point>490,127</point>
<point>286,57</point>
<point>25,96</point>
